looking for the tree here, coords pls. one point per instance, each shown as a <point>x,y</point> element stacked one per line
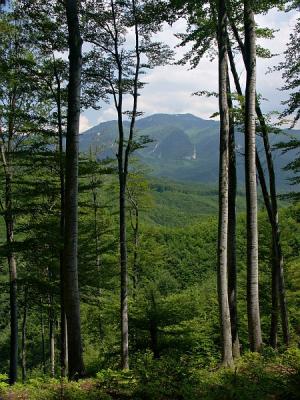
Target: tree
<point>255,337</point>
<point>270,198</point>
<point>227,358</point>
<point>70,270</point>
<point>117,67</point>
<point>18,114</point>
<point>290,73</point>
<point>231,240</point>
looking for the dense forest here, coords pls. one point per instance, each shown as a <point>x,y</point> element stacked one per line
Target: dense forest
<point>147,258</point>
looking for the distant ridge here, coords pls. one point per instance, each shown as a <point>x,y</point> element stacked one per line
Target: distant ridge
<point>184,147</point>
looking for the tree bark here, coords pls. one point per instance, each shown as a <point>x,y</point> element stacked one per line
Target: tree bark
<point>70,267</point>
<point>227,357</point>
<point>24,326</point>
<point>134,218</point>
<point>124,274</point>
<point>153,328</point>
<point>123,162</point>
<point>274,219</point>
<point>254,327</point>
<point>52,337</point>
<point>12,265</point>
<point>63,321</point>
<point>231,242</point>
<point>13,371</point>
<point>278,284</point>
<point>43,337</point>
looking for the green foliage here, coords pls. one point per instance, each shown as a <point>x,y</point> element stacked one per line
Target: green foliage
<point>255,376</point>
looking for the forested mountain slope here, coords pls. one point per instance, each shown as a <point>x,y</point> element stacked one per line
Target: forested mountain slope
<point>183,147</point>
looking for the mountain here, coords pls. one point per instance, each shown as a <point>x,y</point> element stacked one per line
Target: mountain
<point>183,147</point>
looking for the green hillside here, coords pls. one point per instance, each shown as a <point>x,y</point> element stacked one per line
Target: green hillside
<point>179,204</point>
<point>183,147</point>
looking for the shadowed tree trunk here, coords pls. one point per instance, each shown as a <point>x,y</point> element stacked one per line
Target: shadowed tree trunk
<point>24,327</point>
<point>52,336</point>
<point>227,357</point>
<point>153,328</point>
<point>254,327</point>
<point>6,154</point>
<point>278,285</point>
<point>70,267</point>
<point>43,336</point>
<point>274,315</point>
<point>231,242</point>
<point>63,321</point>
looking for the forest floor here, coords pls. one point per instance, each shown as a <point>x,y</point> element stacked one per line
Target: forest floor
<point>254,377</point>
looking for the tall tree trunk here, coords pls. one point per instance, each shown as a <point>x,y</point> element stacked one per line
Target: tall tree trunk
<point>135,249</point>
<point>278,286</point>
<point>124,274</point>
<point>231,242</point>
<point>12,265</point>
<point>227,357</point>
<point>275,294</point>
<point>96,206</point>
<point>70,273</point>
<point>43,337</point>
<point>63,321</point>
<point>153,328</point>
<point>274,314</point>
<point>254,327</point>
<point>13,370</point>
<point>52,337</point>
<point>277,268</point>
<point>123,162</point>
<point>24,326</point>
<point>134,219</point>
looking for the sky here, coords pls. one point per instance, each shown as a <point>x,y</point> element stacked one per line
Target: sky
<point>169,88</point>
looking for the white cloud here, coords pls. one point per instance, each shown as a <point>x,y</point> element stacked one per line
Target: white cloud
<point>169,88</point>
<point>84,123</point>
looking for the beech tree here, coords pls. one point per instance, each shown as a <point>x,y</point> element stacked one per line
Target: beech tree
<point>116,66</point>
<point>255,337</point>
<point>269,193</point>
<point>227,357</point>
<point>70,269</point>
<point>18,113</point>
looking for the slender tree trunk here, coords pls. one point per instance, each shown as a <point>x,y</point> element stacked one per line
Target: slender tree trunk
<point>70,273</point>
<point>273,217</point>
<point>275,294</point>
<point>253,311</point>
<point>278,285</point>
<point>63,321</point>
<point>231,243</point>
<point>135,250</point>
<point>97,246</point>
<point>274,314</point>
<point>134,219</point>
<point>43,337</point>
<point>227,357</point>
<point>153,328</point>
<point>13,371</point>
<point>123,162</point>
<point>96,231</point>
<point>124,274</point>
<point>52,336</point>
<point>12,265</point>
<point>24,326</point>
